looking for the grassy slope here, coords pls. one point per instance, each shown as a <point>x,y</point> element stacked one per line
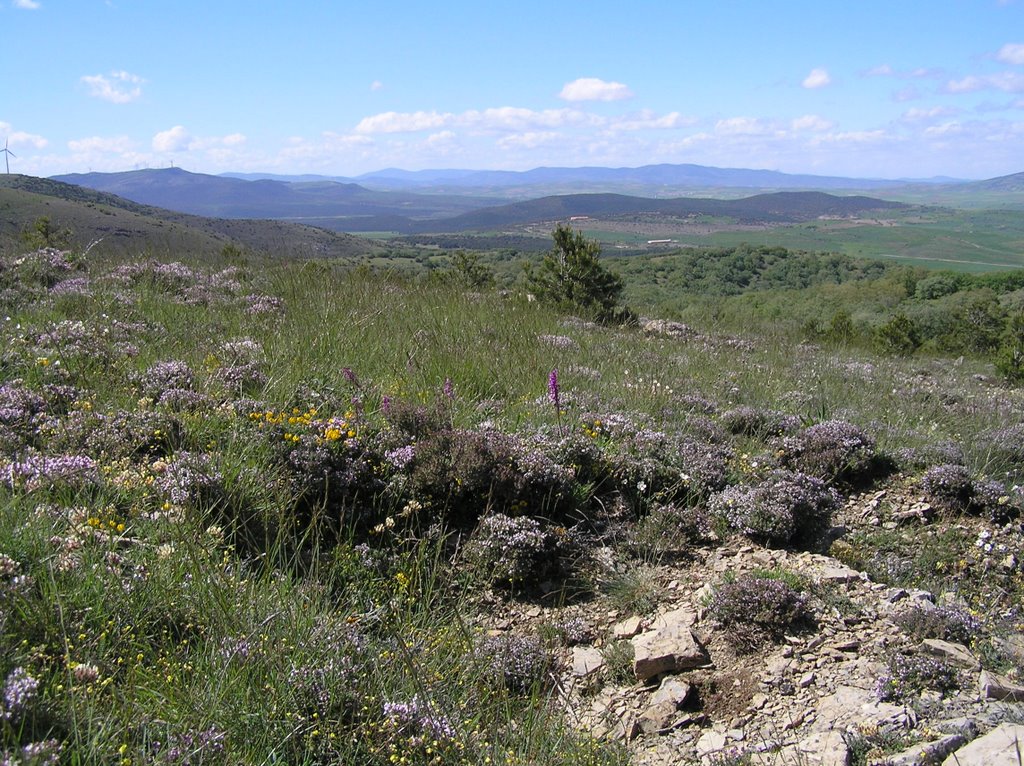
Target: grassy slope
<point>150,627</point>
<point>127,227</point>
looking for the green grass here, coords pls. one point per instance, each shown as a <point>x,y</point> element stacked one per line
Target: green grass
<point>259,616</point>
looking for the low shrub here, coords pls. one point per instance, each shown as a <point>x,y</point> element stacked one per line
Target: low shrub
<point>835,451</point>
<point>785,508</point>
<point>516,663</point>
<point>907,675</point>
<point>754,610</point>
<point>948,623</point>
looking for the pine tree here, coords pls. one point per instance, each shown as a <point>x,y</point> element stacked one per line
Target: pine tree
<point>572,278</point>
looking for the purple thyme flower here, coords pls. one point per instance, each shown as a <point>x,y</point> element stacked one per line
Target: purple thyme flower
<point>19,689</point>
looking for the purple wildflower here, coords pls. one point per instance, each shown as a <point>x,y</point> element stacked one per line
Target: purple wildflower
<point>19,690</point>
<point>553,389</point>
<point>448,389</point>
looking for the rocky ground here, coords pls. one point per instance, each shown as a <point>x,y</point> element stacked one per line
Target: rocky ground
<point>667,682</point>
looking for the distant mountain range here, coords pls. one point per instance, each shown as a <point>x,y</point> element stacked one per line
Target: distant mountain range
<point>443,202</point>
<point>649,177</point>
<point>344,206</point>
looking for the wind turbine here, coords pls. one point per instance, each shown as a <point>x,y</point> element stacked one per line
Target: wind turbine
<point>7,156</point>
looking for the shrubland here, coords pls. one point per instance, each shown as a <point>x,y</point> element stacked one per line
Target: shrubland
<point>257,514</point>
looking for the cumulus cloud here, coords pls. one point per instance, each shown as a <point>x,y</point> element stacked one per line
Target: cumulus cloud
<point>818,78</point>
<point>117,87</point>
<point>918,115</point>
<point>813,123</point>
<point>28,5</point>
<point>1011,53</point>
<point>401,122</point>
<point>504,118</point>
<point>376,85</point>
<point>648,120</point>
<point>441,138</point>
<point>101,145</point>
<point>594,89</point>
<point>741,126</point>
<point>530,140</point>
<point>176,139</point>
<point>19,137</point>
<point>1010,82</point>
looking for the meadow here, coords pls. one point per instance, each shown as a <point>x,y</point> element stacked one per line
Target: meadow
<point>260,511</point>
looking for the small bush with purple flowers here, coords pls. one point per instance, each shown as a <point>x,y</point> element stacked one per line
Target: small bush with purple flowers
<point>833,451</point>
<point>513,662</point>
<point>784,508</point>
<point>953,489</point>
<point>948,623</point>
<point>907,675</point>
<point>757,609</point>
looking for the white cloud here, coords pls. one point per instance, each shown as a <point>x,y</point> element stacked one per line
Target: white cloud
<point>648,120</point>
<point>594,89</point>
<point>813,123</point>
<point>442,138</point>
<point>376,85</point>
<point>818,78</point>
<point>741,126</point>
<point>504,118</point>
<point>176,139</point>
<point>117,88</point>
<point>1010,82</point>
<point>1011,53</point>
<point>945,129</point>
<point>28,5</point>
<point>530,140</point>
<point>402,122</point>
<point>101,145</point>
<point>19,137</point>
<point>918,115</point>
<point>883,70</point>
<point>234,139</point>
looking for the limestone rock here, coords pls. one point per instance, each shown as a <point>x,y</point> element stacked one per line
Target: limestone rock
<point>954,654</point>
<point>850,706</point>
<point>669,647</point>
<point>822,748</point>
<point>995,687</point>
<point>927,752</point>
<point>586,661</point>
<point>1003,746</point>
<point>627,628</point>
<point>672,690</point>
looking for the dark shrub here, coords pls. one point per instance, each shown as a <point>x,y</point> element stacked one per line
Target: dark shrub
<point>759,423</point>
<point>784,508</point>
<point>756,609</point>
<point>834,451</point>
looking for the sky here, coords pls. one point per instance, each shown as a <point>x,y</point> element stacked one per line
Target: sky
<point>867,89</point>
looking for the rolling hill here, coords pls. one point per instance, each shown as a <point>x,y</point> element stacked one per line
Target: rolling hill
<point>226,197</point>
<point>122,225</point>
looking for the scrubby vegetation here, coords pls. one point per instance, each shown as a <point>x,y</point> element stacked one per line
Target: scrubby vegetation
<point>257,514</point>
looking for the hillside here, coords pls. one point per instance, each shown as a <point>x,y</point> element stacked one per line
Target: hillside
<point>776,208</point>
<point>296,514</point>
<point>125,226</point>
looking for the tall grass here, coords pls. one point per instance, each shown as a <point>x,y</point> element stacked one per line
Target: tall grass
<point>271,616</point>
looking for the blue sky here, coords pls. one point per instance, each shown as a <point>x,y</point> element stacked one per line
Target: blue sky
<point>886,89</point>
